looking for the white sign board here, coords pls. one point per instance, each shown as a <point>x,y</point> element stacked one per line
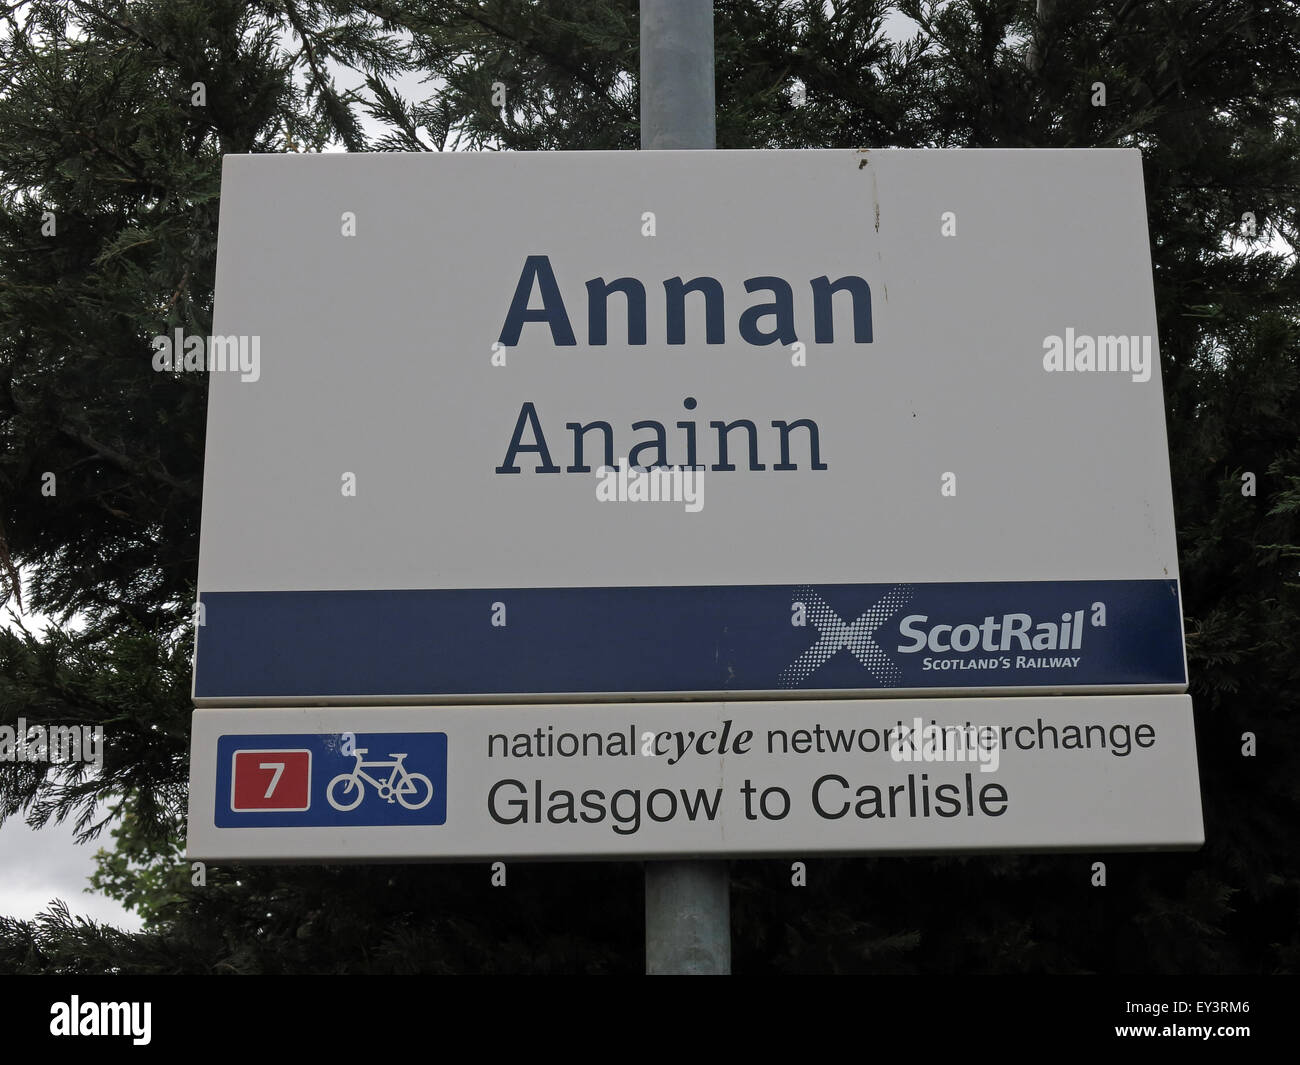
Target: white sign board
<point>747,778</point>
<point>883,423</point>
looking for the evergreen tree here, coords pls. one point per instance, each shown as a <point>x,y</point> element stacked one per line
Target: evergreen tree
<point>100,127</point>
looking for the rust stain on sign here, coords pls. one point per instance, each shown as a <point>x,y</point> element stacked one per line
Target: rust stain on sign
<point>875,200</point>
<point>875,196</point>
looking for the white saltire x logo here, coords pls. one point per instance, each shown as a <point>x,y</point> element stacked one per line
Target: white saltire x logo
<point>834,635</point>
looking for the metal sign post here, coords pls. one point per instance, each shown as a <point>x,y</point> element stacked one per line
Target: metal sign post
<point>687,904</point>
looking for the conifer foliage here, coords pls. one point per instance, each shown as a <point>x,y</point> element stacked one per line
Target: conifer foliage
<point>114,117</point>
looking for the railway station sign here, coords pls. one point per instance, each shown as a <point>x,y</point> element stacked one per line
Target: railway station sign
<point>640,425</point>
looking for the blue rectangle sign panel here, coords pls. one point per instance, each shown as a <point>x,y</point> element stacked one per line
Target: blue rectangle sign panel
<point>861,638</point>
<point>331,780</point>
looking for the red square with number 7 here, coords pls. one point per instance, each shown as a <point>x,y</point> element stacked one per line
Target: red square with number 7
<point>271,780</point>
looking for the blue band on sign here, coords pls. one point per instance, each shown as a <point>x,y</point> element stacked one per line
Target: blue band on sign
<point>746,638</point>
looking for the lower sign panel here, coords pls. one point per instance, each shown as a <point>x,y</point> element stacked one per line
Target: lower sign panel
<point>693,779</point>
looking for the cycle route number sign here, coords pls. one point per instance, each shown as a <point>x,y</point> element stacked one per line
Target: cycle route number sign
<point>348,778</point>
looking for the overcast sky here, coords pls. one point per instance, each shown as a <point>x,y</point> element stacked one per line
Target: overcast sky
<point>38,866</point>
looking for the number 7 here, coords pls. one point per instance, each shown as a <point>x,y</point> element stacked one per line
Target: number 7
<point>275,777</point>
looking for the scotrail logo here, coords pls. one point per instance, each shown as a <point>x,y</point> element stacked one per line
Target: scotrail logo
<point>835,634</point>
<point>1013,641</point>
<point>982,645</point>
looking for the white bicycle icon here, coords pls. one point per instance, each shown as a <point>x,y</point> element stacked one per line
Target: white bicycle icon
<point>400,785</point>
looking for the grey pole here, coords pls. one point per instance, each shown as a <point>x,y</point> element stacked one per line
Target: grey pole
<point>687,904</point>
<point>677,109</point>
<point>687,918</point>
